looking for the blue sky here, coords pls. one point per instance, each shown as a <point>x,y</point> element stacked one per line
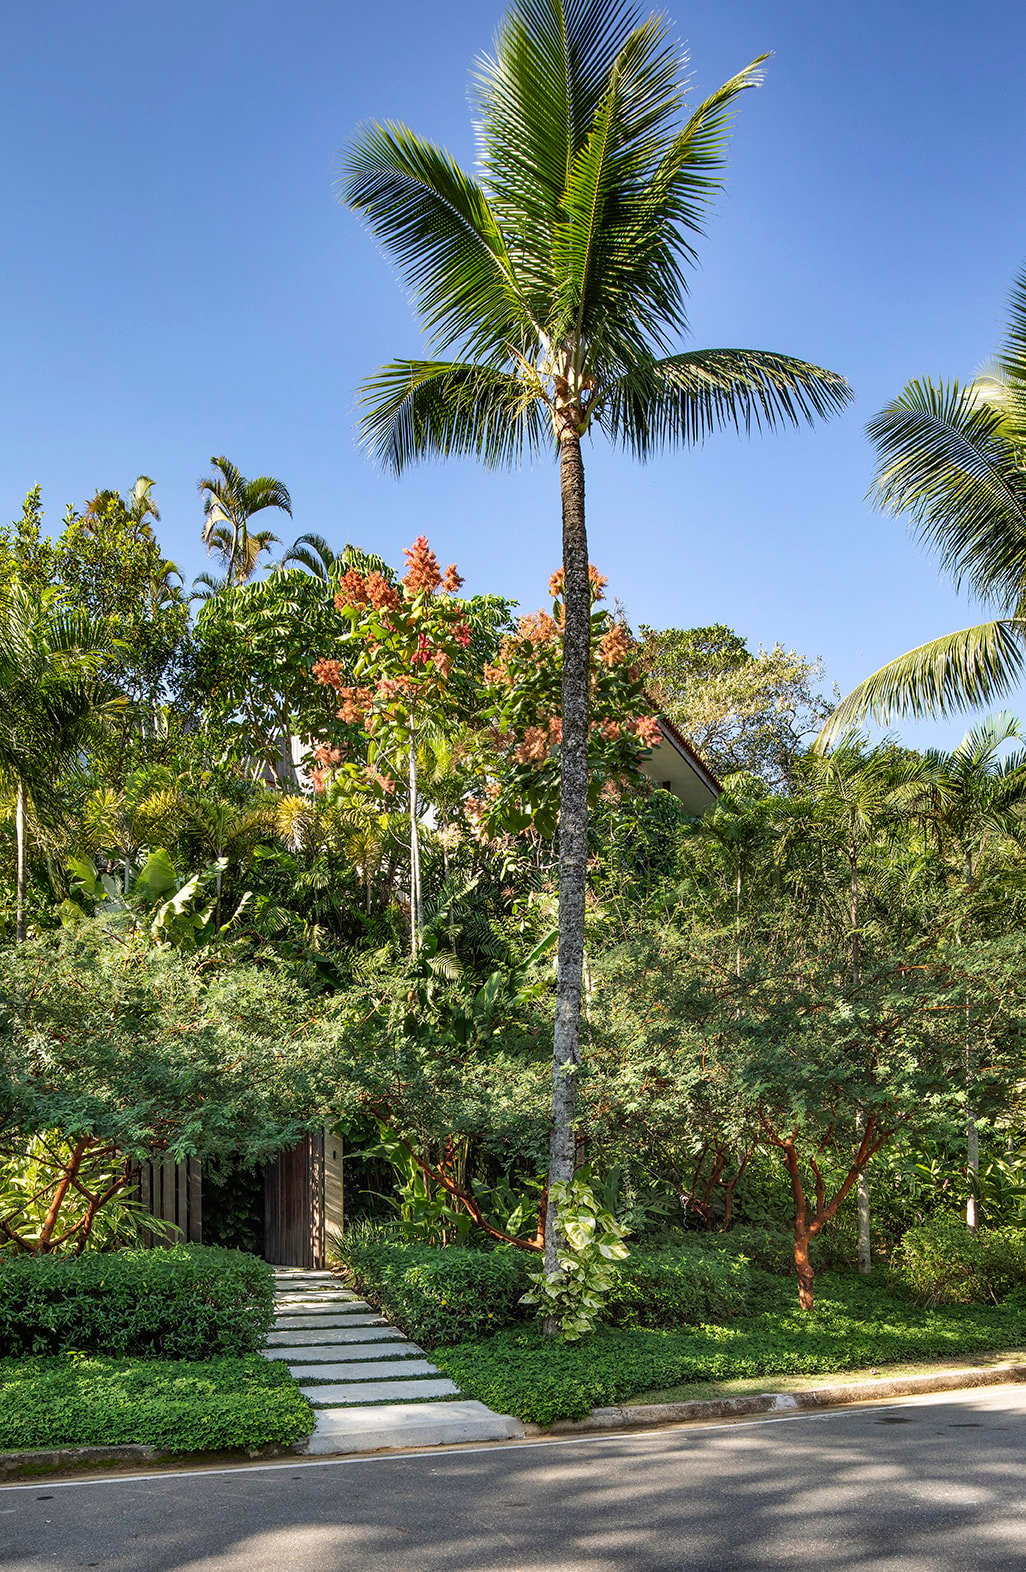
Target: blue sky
<point>179,281</point>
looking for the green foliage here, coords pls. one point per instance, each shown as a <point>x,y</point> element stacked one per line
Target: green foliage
<point>681,1287</point>
<point>855,1324</point>
<point>743,712</point>
<point>187,1302</point>
<point>99,1208</point>
<point>434,1295</point>
<point>150,1049</point>
<point>83,1400</point>
<point>591,1242</point>
<point>942,1263</point>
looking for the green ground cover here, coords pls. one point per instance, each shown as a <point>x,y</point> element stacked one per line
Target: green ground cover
<point>87,1400</point>
<point>856,1325</point>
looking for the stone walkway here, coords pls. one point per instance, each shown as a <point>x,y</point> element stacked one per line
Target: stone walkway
<point>370,1386</point>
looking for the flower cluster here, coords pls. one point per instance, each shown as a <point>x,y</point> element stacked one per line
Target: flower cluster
<point>423,573</point>
<point>597,580</point>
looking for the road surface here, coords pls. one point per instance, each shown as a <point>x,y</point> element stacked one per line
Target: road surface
<point>928,1484</point>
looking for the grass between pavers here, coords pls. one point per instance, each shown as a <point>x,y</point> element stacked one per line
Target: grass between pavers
<point>88,1400</point>
<point>856,1326</point>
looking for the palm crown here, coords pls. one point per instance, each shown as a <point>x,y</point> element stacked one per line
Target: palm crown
<point>229,502</point>
<point>558,276</point>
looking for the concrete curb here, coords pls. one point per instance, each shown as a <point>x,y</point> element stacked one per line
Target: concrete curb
<point>36,1463</point>
<point>643,1415</point>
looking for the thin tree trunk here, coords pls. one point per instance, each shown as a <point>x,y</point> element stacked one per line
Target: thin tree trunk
<point>865,1255</point>
<point>20,822</point>
<point>415,915</point>
<point>972,1134</point>
<point>573,832</point>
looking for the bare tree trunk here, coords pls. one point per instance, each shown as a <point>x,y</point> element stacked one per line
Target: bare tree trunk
<point>573,831</point>
<point>20,823</point>
<point>862,1193</point>
<point>415,914</point>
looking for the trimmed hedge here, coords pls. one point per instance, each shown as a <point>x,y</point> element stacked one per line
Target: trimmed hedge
<point>189,1302</point>
<point>78,1400</point>
<point>855,1324</point>
<point>942,1263</point>
<point>682,1287</point>
<point>436,1295</point>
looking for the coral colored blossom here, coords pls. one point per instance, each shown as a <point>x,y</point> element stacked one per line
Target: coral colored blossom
<point>614,645</point>
<point>328,672</point>
<point>646,729</point>
<point>452,580</point>
<point>318,779</point>
<point>326,756</point>
<point>381,594</point>
<point>422,572</point>
<point>352,590</point>
<point>461,633</point>
<point>611,730</point>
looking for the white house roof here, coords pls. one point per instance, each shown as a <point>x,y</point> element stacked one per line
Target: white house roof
<point>675,766</point>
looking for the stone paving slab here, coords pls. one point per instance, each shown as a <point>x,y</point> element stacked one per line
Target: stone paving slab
<point>345,1315</point>
<point>352,1353</point>
<point>371,1370</point>
<point>330,1334</point>
<point>342,1346</point>
<point>380,1391</point>
<point>370,1429</point>
<point>315,1296</point>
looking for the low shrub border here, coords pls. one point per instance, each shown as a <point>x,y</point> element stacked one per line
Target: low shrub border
<point>181,1406</point>
<point>188,1302</point>
<point>436,1295</point>
<point>520,1372</point>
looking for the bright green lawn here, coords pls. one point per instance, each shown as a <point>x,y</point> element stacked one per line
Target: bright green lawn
<point>856,1325</point>
<point>89,1400</point>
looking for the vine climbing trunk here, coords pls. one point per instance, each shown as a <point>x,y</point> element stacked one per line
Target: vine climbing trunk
<point>573,829</point>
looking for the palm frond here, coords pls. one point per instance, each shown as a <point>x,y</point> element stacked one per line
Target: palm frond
<point>415,409</point>
<point>535,100</point>
<point>963,670</point>
<point>437,224</point>
<point>943,460</point>
<point>683,398</point>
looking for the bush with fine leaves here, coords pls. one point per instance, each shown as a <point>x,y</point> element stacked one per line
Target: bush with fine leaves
<point>189,1302</point>
<point>436,1294</point>
<point>942,1263</point>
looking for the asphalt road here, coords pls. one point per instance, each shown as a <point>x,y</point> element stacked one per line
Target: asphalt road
<point>930,1484</point>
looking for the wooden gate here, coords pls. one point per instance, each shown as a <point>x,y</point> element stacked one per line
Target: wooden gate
<point>303,1201</point>
<point>173,1192</point>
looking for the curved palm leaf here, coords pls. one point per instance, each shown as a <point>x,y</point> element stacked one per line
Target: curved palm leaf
<point>959,671</point>
<point>684,398</point>
<point>416,408</point>
<point>946,459</point>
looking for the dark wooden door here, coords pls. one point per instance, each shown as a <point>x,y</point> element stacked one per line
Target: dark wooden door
<point>288,1234</point>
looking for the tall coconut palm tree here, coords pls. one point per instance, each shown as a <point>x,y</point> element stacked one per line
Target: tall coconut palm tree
<point>229,502</point>
<point>556,281</point>
<point>53,702</point>
<point>952,456</point>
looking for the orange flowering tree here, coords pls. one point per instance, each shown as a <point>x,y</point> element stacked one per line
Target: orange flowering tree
<point>520,765</point>
<point>408,639</point>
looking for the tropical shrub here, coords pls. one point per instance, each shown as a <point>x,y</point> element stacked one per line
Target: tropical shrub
<point>680,1287</point>
<point>591,1242</point>
<point>942,1263</point>
<point>435,1295</point>
<point>189,1302</point>
<point>86,1400</point>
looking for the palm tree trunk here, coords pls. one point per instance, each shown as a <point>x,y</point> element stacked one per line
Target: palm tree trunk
<point>573,830</point>
<point>20,825</point>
